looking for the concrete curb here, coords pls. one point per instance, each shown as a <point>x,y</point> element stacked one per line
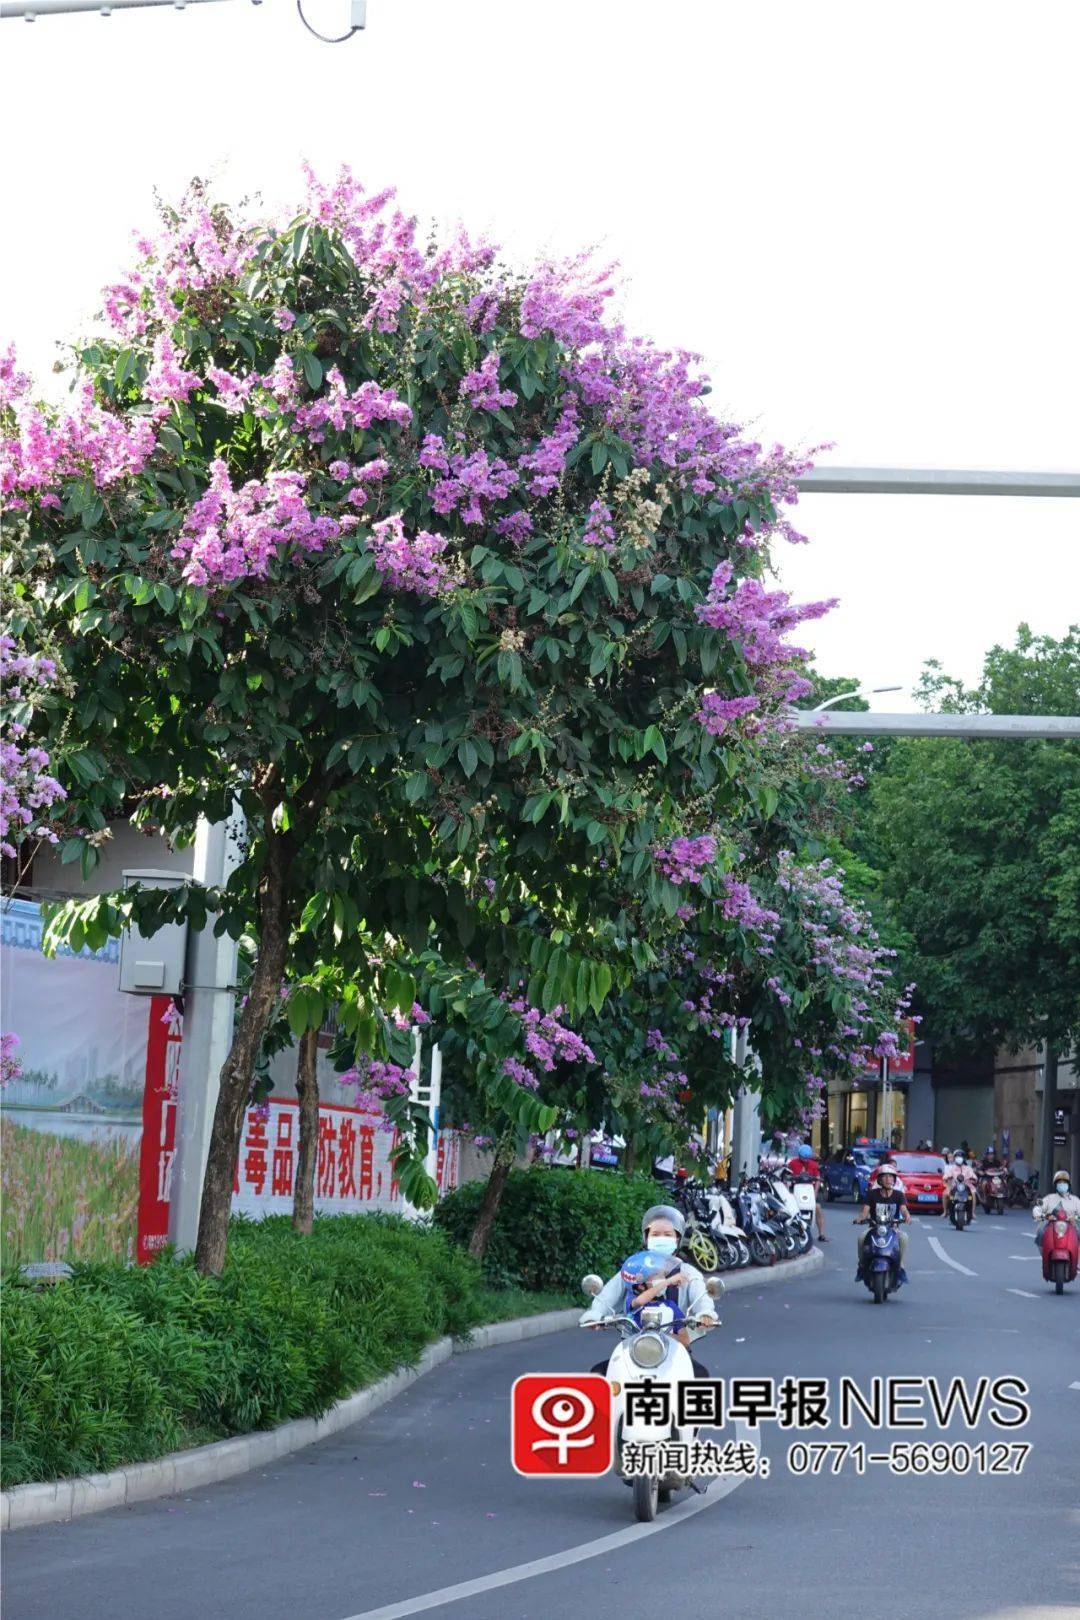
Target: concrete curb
<point>183,1471</point>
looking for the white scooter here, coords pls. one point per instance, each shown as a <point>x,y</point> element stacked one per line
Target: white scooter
<point>802,1196</point>
<point>650,1351</point>
<point>729,1235</point>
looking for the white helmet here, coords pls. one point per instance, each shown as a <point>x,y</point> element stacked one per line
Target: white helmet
<point>886,1170</point>
<point>664,1212</point>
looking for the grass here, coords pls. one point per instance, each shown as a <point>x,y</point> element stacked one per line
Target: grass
<point>503,1304</point>
<point>65,1198</point>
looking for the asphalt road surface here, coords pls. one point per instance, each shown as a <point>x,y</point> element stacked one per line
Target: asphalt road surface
<point>384,1518</point>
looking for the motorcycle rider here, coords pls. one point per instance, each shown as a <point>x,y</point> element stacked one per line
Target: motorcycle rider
<point>662,1228</point>
<point>887,1194</point>
<point>958,1171</point>
<point>805,1164</point>
<point>1060,1198</point>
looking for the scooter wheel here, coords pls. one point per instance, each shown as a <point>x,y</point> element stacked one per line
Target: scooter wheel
<point>880,1287</point>
<point>646,1499</point>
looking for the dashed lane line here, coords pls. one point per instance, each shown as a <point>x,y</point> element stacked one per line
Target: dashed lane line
<point>1025,1295</point>
<point>948,1259</point>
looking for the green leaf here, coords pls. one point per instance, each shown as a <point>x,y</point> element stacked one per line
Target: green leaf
<point>312,368</point>
<point>467,756</point>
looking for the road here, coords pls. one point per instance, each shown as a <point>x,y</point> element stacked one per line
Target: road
<point>422,1497</point>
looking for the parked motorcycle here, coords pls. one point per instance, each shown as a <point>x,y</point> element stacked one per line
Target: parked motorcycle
<point>879,1268</point>
<point>1060,1248</point>
<point>805,1195</point>
<point>650,1351</point>
<point>728,1234</point>
<point>960,1205</point>
<point>762,1235</point>
<point>698,1243</point>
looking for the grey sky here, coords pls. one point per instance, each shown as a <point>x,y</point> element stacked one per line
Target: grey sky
<point>862,216</point>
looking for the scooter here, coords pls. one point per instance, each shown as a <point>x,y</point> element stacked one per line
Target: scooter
<point>1060,1250</point>
<point>761,1234</point>
<point>805,1195</point>
<point>652,1352</point>
<point>992,1192</point>
<point>729,1235</point>
<point>698,1243</point>
<point>960,1205</point>
<point>879,1267</point>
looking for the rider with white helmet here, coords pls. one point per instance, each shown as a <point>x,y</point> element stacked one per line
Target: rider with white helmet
<point>887,1193</point>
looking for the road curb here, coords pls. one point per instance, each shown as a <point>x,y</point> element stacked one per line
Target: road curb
<point>58,1501</point>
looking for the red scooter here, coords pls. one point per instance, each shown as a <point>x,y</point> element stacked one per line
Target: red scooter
<point>1060,1250</point>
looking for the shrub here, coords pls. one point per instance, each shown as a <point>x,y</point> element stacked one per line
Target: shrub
<point>122,1363</point>
<point>554,1225</point>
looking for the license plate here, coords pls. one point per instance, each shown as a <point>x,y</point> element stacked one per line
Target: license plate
<point>927,1198</point>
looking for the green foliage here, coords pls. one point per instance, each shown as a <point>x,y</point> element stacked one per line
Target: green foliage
<point>978,847</point>
<point>124,1363</point>
<point>554,1225</point>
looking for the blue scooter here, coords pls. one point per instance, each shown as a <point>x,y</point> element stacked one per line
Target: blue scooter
<point>880,1265</point>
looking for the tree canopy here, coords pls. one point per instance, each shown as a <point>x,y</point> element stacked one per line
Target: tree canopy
<point>457,590</point>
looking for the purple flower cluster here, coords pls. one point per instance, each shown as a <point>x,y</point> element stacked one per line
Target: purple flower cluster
<point>10,1067</point>
<point>406,564</point>
<point>481,388</point>
<point>685,859</point>
<point>376,1083</point>
<point>599,530</point>
<point>46,448</point>
<point>27,790</point>
<point>232,534</point>
<point>549,1041</point>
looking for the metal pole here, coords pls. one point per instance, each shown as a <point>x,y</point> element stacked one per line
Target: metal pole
<point>1049,1104</point>
<point>845,723</point>
<point>31,9</point>
<point>208,1032</point>
<point>935,481</point>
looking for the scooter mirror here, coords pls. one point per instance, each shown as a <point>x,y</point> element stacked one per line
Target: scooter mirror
<point>592,1284</point>
<point>715,1287</point>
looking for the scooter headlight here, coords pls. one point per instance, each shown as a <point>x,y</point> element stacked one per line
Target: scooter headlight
<point>1060,1228</point>
<point>648,1350</point>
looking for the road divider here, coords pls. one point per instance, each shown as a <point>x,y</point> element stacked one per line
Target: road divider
<point>57,1501</point>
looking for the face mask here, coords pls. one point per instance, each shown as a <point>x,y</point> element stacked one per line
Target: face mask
<point>1061,1187</point>
<point>663,1245</point>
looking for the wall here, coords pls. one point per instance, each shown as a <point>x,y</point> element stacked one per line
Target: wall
<point>127,848</point>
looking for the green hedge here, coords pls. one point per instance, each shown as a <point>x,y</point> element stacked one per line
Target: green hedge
<point>555,1225</point>
<point>121,1364</point>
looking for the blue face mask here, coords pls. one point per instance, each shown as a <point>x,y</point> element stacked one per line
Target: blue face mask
<point>663,1245</point>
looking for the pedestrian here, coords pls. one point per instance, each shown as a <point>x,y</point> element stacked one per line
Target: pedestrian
<point>803,1163</point>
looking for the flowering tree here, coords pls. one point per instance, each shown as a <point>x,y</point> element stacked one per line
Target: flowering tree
<point>449,583</point>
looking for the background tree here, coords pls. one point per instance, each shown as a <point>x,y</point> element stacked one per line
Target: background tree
<point>979,858</point>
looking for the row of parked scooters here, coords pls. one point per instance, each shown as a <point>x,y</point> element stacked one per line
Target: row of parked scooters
<point>765,1218</point>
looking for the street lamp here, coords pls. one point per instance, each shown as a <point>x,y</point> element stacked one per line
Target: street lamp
<point>859,692</point>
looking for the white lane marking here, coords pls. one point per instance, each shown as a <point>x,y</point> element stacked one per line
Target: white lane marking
<point>949,1261</point>
<point>559,1560</point>
<point>1025,1295</point>
<point>1025,1257</point>
<point>1076,1385</point>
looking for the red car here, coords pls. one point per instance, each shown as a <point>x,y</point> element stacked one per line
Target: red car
<point>923,1179</point>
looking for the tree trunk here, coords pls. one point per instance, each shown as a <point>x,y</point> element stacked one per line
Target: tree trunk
<point>239,1067</point>
<point>489,1204</point>
<point>307,1152</point>
<point>630,1156</point>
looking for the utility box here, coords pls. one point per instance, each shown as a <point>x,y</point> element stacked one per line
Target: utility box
<point>153,964</point>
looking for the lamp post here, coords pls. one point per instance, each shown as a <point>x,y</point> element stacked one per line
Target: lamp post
<point>859,691</point>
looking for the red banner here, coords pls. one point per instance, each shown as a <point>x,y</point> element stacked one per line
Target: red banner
<point>159,1131</point>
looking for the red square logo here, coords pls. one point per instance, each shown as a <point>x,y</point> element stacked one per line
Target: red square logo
<point>560,1425</point>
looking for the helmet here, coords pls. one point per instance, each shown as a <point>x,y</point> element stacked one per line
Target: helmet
<point>1019,1153</point>
<point>958,1157</point>
<point>1061,1175</point>
<point>806,1152</point>
<point>664,1212</point>
<point>644,1266</point>
<point>886,1169</point>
